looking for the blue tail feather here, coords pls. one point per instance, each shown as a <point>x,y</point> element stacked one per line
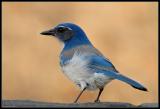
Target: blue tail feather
<point>130,82</point>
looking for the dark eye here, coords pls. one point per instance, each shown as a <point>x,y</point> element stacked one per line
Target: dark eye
<point>61,30</point>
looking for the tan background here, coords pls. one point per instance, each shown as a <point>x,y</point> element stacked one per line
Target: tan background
<point>126,33</point>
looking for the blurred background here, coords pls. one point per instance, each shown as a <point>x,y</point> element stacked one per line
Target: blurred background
<point>126,33</point>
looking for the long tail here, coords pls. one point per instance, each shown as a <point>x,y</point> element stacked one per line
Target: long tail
<point>131,82</point>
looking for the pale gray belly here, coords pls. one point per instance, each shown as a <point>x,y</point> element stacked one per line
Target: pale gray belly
<point>76,70</point>
<point>84,78</point>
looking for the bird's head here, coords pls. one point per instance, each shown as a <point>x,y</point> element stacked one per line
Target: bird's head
<point>68,32</point>
<point>63,32</point>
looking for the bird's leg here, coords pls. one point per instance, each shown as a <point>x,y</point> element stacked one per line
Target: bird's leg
<point>99,94</point>
<point>79,95</point>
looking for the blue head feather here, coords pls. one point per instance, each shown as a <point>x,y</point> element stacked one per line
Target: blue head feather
<point>79,37</point>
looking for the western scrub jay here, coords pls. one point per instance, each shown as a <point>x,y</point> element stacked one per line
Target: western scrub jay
<point>82,63</point>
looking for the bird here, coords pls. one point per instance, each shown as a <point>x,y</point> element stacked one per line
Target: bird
<point>84,64</point>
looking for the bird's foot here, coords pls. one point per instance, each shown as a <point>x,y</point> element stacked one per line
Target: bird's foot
<point>97,101</point>
<point>75,101</point>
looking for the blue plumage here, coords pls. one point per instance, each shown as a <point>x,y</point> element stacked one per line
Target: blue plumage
<point>83,63</point>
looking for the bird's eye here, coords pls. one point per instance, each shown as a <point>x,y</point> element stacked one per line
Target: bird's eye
<point>61,30</point>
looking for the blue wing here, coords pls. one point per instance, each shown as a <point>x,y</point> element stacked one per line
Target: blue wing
<point>100,64</point>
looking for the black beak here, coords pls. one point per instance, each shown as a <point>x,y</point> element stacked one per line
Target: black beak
<point>49,32</point>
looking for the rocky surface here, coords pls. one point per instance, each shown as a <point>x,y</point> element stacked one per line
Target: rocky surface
<point>29,103</point>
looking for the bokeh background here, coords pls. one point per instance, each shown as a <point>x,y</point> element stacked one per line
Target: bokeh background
<point>126,33</point>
